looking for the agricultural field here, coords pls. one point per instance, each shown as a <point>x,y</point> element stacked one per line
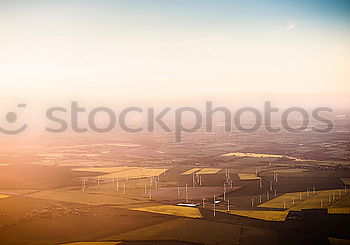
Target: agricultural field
<point>346,181</point>
<point>307,200</point>
<point>132,173</point>
<point>180,211</point>
<point>248,176</point>
<point>197,193</point>
<point>89,198</point>
<point>103,169</point>
<point>260,214</point>
<point>133,191</point>
<point>190,171</point>
<point>91,243</point>
<point>199,232</point>
<point>209,171</point>
<point>202,171</point>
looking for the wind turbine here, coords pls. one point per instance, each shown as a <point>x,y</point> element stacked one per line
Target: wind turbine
<point>214,205</point>
<point>83,185</point>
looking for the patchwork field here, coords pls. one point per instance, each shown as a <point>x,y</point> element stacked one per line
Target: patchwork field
<point>202,171</point>
<point>190,171</point>
<point>135,194</point>
<point>174,193</point>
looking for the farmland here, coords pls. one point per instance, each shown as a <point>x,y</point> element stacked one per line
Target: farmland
<point>248,176</point>
<point>259,214</point>
<point>137,192</point>
<point>133,173</point>
<point>172,210</point>
<point>308,200</point>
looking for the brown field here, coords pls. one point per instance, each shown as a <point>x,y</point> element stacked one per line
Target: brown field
<point>91,243</point>
<point>171,193</point>
<point>198,231</point>
<point>346,181</point>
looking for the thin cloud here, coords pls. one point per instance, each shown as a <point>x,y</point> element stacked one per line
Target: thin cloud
<point>199,41</point>
<point>290,26</point>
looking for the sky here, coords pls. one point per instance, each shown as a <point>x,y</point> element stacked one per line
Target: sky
<point>138,50</point>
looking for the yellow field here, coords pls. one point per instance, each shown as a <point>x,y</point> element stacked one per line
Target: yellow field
<point>60,155</point>
<point>92,243</point>
<point>248,177</point>
<point>191,171</point>
<point>134,173</point>
<point>172,210</point>
<point>3,196</point>
<point>123,144</point>
<point>263,215</point>
<point>291,170</point>
<point>310,202</point>
<point>4,164</point>
<point>346,181</point>
<point>16,192</point>
<point>50,155</point>
<point>241,154</point>
<point>338,241</point>
<point>90,198</point>
<point>103,169</point>
<point>339,210</point>
<point>209,170</point>
<point>108,144</point>
<point>343,202</point>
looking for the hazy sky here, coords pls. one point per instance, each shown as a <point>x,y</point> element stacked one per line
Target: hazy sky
<point>173,49</point>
